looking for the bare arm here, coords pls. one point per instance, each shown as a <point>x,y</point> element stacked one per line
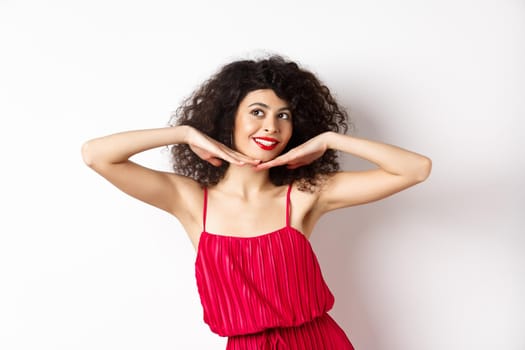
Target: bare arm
<point>109,156</point>
<point>397,169</point>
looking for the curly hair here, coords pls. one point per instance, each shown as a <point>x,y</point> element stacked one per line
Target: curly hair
<point>212,107</point>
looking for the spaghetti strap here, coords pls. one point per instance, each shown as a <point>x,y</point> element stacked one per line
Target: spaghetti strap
<point>288,205</point>
<point>233,274</point>
<point>204,209</point>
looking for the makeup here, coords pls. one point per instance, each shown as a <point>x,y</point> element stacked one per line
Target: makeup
<point>266,143</point>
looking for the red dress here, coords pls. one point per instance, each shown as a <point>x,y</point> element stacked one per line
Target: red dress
<point>266,291</point>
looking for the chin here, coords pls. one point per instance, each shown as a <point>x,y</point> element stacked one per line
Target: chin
<point>267,156</point>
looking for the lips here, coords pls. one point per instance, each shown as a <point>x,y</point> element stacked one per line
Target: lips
<point>266,143</point>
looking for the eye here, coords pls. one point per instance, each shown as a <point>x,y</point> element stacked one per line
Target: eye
<point>257,113</point>
<point>284,116</point>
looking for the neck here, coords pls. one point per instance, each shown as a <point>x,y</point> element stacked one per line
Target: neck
<point>245,181</point>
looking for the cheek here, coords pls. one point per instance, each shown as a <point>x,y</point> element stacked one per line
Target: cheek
<point>288,131</point>
<point>243,124</point>
<point>242,131</point>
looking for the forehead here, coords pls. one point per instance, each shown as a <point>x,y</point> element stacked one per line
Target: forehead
<point>265,96</point>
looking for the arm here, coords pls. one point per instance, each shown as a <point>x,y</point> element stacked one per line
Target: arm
<point>109,156</point>
<point>397,169</point>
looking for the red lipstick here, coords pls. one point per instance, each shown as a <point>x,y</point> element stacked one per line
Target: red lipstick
<point>266,143</point>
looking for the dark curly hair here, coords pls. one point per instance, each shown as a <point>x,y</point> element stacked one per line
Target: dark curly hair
<point>212,108</point>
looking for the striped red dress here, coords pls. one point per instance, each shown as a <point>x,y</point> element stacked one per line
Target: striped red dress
<point>266,291</point>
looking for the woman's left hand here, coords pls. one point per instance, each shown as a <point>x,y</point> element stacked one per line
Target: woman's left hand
<point>299,156</point>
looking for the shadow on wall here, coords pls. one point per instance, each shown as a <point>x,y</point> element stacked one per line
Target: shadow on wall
<point>402,269</point>
<point>338,240</point>
<point>345,242</point>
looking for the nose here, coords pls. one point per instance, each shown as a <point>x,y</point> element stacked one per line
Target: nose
<point>270,125</point>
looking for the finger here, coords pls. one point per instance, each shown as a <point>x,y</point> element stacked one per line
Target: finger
<point>242,157</point>
<point>230,157</point>
<point>245,159</point>
<point>251,161</point>
<point>265,165</point>
<point>294,166</point>
<point>215,161</point>
<point>239,160</point>
<point>272,163</point>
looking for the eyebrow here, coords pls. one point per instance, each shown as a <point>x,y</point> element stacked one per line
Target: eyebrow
<point>268,107</point>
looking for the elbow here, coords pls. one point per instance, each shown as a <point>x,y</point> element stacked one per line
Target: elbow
<point>87,154</point>
<point>423,169</point>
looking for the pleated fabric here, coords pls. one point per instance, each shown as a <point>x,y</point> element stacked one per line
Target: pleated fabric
<point>266,291</point>
<point>322,333</point>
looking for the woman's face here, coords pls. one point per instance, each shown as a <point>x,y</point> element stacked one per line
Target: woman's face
<point>263,125</point>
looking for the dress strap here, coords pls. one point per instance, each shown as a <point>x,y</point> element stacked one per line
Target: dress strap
<point>205,207</point>
<point>288,205</point>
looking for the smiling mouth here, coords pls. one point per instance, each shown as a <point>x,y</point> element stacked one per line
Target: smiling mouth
<point>266,143</point>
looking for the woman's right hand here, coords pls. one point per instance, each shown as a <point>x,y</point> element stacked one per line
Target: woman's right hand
<point>213,151</point>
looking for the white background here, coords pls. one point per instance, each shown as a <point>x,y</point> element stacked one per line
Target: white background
<point>439,266</point>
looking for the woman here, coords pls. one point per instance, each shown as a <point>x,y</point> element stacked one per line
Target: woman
<point>254,152</point>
